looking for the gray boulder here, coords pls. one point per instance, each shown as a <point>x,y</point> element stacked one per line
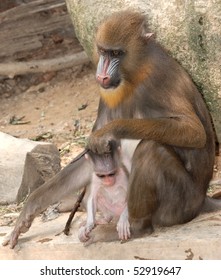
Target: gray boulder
<point>39,166</point>
<point>41,163</point>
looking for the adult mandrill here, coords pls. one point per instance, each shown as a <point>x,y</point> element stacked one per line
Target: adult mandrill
<point>145,95</point>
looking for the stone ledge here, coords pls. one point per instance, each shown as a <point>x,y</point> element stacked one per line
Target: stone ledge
<point>199,239</point>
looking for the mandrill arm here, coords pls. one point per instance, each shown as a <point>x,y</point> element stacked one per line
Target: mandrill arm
<point>179,131</point>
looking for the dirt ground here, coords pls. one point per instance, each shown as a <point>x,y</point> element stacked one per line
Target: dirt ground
<point>58,106</point>
<point>61,110</point>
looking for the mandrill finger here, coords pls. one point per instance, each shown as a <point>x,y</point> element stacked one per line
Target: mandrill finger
<point>6,240</point>
<point>123,231</point>
<point>11,239</point>
<point>99,145</point>
<point>14,238</point>
<point>127,233</point>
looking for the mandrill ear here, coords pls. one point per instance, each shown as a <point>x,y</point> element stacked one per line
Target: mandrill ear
<point>144,32</point>
<point>86,156</point>
<point>147,36</point>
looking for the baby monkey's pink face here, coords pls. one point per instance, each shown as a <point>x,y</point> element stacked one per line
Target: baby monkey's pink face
<point>107,179</point>
<point>106,166</point>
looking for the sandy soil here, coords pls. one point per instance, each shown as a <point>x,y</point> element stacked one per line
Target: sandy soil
<point>61,110</point>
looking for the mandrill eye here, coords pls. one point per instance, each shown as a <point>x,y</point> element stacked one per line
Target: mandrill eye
<point>100,176</point>
<point>102,51</point>
<point>117,53</point>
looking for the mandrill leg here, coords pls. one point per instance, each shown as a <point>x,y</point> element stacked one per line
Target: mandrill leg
<point>160,189</point>
<point>73,177</point>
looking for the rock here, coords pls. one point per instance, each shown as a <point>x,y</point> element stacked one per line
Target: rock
<point>12,160</point>
<point>197,240</point>
<point>189,30</point>
<point>42,163</point>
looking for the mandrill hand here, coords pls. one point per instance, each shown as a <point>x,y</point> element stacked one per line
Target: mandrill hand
<point>100,144</point>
